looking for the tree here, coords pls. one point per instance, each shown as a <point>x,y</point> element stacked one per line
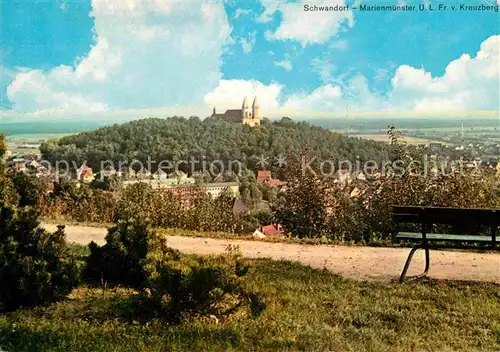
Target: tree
<point>302,210</point>
<point>37,266</point>
<point>31,189</point>
<point>111,183</point>
<point>8,194</point>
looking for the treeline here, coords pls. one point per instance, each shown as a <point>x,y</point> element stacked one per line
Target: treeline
<point>179,139</point>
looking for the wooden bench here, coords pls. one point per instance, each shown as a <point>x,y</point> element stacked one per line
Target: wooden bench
<point>467,229</point>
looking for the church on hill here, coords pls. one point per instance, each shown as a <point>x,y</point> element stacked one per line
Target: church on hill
<point>245,115</point>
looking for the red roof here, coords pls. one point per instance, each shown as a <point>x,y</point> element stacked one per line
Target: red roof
<point>263,175</point>
<point>275,182</point>
<point>272,230</point>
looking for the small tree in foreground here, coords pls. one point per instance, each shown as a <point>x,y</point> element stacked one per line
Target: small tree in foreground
<point>180,286</point>
<point>172,285</point>
<point>36,266</point>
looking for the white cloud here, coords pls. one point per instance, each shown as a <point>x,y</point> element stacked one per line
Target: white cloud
<point>270,9</point>
<point>241,12</point>
<point>229,94</point>
<point>248,44</point>
<point>324,98</point>
<point>285,64</point>
<point>306,27</point>
<point>146,54</point>
<point>467,84</point>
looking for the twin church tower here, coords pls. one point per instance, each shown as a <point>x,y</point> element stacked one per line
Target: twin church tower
<point>245,115</point>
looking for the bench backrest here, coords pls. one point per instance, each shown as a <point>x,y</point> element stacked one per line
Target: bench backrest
<point>446,216</point>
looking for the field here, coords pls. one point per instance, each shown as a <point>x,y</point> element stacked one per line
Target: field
<point>306,310</point>
<point>382,137</point>
<point>29,143</point>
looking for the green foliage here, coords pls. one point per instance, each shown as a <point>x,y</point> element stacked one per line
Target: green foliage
<point>191,285</point>
<point>314,207</point>
<point>182,139</point>
<point>306,310</point>
<point>121,259</point>
<point>302,210</point>
<point>3,146</point>
<point>79,202</point>
<point>30,189</point>
<point>37,266</point>
<point>173,285</point>
<point>107,182</point>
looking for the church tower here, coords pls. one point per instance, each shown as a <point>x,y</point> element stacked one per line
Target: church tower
<point>245,110</point>
<point>256,112</point>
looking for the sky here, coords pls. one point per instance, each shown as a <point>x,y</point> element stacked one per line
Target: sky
<point>97,59</point>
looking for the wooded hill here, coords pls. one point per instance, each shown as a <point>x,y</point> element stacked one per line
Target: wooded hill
<point>178,138</point>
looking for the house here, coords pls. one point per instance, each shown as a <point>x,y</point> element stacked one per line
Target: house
<point>264,176</point>
<point>19,164</point>
<point>258,234</point>
<point>343,178</point>
<point>34,164</point>
<point>127,172</point>
<point>273,230</point>
<point>160,175</point>
<point>245,115</point>
<point>181,178</point>
<point>85,174</point>
<point>216,189</point>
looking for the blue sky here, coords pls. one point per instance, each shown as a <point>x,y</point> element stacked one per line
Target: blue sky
<point>112,58</point>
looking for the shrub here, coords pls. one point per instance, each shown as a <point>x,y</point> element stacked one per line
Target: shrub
<point>172,285</point>
<point>136,201</point>
<point>37,266</point>
<point>191,285</point>
<point>120,259</point>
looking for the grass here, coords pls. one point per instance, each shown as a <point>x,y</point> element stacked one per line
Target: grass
<point>307,310</point>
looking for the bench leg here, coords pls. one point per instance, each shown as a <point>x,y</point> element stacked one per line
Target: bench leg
<point>410,257</point>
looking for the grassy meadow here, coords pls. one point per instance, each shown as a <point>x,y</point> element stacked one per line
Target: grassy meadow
<point>306,310</point>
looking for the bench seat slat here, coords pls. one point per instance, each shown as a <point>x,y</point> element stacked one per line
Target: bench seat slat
<point>444,237</point>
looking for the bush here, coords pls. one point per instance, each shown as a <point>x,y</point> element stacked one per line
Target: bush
<point>190,285</point>
<point>37,266</point>
<point>120,260</point>
<point>172,285</point>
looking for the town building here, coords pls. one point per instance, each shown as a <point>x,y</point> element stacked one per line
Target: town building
<point>85,174</point>
<point>245,115</point>
<point>19,164</point>
<point>265,176</point>
<point>269,231</point>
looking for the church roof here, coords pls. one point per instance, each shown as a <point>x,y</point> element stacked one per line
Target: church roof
<point>233,115</point>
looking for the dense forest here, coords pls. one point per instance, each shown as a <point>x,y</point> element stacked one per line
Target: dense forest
<point>178,138</point>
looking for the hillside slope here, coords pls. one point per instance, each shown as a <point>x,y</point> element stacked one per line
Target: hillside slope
<point>182,139</point>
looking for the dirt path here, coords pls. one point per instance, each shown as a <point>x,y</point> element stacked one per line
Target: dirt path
<point>353,262</point>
